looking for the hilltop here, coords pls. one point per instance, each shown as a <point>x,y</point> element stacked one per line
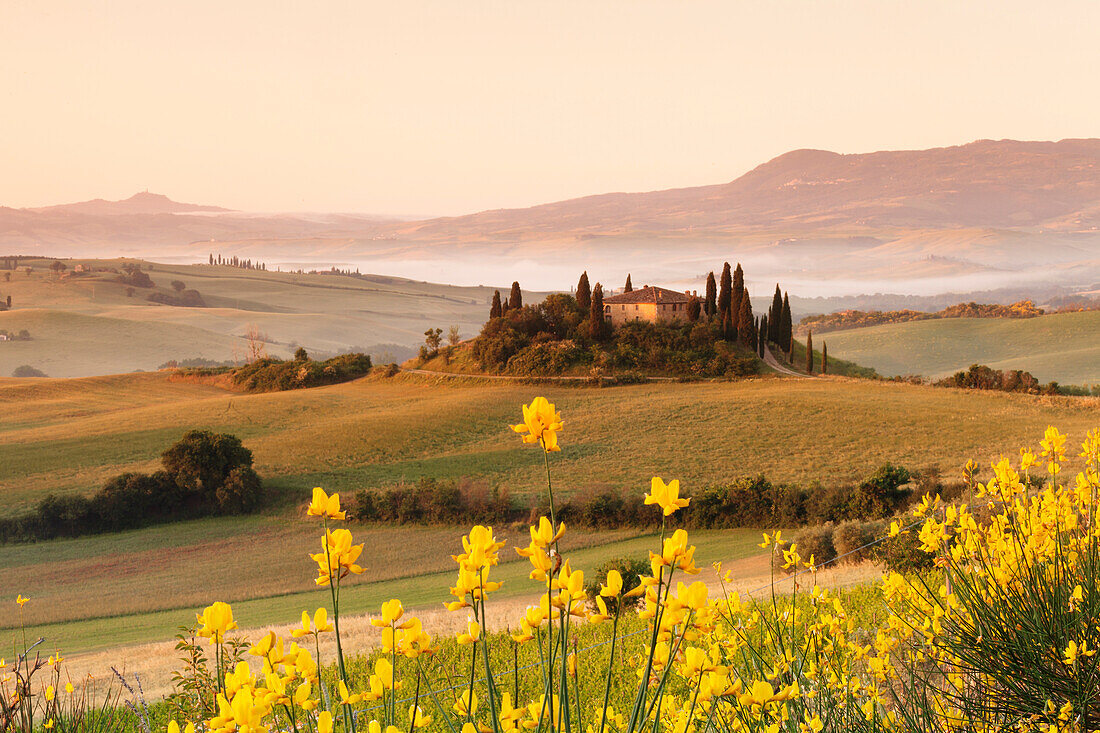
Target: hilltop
<point>986,184</point>
<point>140,203</point>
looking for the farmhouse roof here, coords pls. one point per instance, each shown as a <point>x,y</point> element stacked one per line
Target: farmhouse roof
<point>648,294</point>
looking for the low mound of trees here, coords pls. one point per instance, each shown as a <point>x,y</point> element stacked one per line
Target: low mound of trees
<point>134,276</point>
<point>860,319</point>
<point>203,474</point>
<point>275,375</point>
<point>185,299</point>
<point>980,376</point>
<point>24,371</point>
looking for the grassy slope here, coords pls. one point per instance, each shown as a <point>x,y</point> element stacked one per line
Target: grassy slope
<point>156,576</point>
<point>69,435</point>
<point>323,312</point>
<point>1064,347</point>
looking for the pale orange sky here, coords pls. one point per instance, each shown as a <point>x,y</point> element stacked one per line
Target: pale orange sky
<point>450,107</point>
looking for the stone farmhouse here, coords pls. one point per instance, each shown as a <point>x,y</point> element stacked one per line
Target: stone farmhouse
<point>650,303</point>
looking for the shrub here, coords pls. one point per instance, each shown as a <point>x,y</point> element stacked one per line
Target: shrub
<point>204,473</point>
<point>27,370</point>
<point>815,542</point>
<point>276,375</point>
<point>631,569</point>
<point>850,539</point>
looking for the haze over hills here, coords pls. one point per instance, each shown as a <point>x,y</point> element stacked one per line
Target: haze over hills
<point>973,217</point>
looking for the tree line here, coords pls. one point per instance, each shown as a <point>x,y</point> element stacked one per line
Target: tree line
<point>244,264</point>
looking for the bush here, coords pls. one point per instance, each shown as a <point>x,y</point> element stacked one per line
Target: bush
<point>816,542</point>
<point>26,370</point>
<point>276,375</point>
<point>204,473</point>
<point>631,571</point>
<point>850,540</point>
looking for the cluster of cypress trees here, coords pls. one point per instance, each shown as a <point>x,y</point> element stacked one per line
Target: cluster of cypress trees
<point>726,300</point>
<point>499,308</point>
<point>238,262</point>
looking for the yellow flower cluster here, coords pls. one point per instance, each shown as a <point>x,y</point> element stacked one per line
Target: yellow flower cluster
<point>1015,573</point>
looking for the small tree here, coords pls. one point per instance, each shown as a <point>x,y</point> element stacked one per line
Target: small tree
<point>584,292</point>
<point>710,305</point>
<point>824,358</point>
<point>7,277</point>
<point>129,292</point>
<point>433,337</point>
<point>694,308</point>
<point>255,339</point>
<point>301,355</point>
<point>775,317</point>
<point>786,328</point>
<point>454,336</point>
<point>496,310</point>
<point>597,327</point>
<point>738,289</point>
<point>725,286</point>
<point>515,298</point>
<point>178,285</point>
<point>810,352</point>
<point>629,287</point>
<point>746,325</point>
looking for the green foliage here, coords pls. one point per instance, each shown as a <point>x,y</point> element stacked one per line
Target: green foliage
<point>275,375</point>
<point>631,570</point>
<point>204,473</point>
<point>980,376</point>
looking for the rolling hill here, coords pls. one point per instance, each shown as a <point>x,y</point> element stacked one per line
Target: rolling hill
<point>1064,347</point>
<point>69,436</point>
<point>88,324</point>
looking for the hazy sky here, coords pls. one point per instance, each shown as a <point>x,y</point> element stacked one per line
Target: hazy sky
<point>448,107</point>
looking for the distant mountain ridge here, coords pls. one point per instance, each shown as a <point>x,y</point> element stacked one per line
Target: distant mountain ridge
<point>985,215</point>
<point>140,203</point>
<point>987,183</point>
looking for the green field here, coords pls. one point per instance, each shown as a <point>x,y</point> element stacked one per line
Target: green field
<point>1064,347</point>
<point>71,435</point>
<point>86,325</point>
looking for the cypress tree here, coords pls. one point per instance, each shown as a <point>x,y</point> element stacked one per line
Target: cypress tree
<point>584,292</point>
<point>738,289</point>
<point>515,298</point>
<point>496,310</point>
<point>629,287</point>
<point>724,288</point>
<point>775,316</point>
<point>810,352</point>
<point>729,333</point>
<point>762,338</point>
<point>596,327</point>
<point>790,350</point>
<point>746,329</point>
<point>786,329</point>
<point>824,358</point>
<point>710,306</point>
<point>693,309</point>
